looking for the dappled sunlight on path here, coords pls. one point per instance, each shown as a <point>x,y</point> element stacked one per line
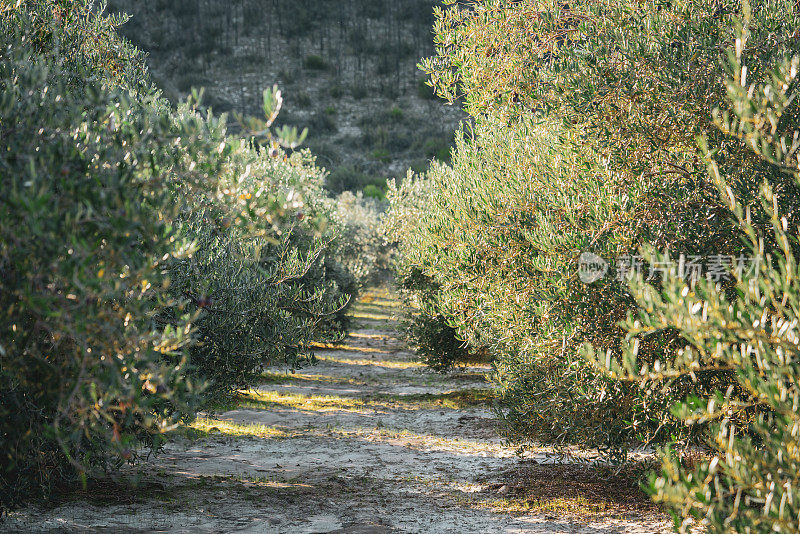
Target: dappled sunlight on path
<point>365,441</point>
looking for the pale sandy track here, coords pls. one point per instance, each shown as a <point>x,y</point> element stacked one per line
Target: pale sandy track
<point>367,441</point>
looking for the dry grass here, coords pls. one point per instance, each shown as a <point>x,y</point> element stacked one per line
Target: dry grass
<point>203,427</point>
<point>349,348</point>
<point>265,399</point>
<point>360,335</point>
<point>571,490</point>
<point>392,364</point>
<point>270,377</point>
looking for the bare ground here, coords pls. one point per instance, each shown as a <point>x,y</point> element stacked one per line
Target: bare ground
<point>365,442</point>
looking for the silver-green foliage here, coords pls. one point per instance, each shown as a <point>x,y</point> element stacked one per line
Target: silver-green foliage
<point>586,119</point>
<point>488,249</point>
<point>86,231</point>
<point>263,280</point>
<point>427,326</point>
<point>143,252</point>
<point>749,481</point>
<point>260,293</point>
<point>362,248</point>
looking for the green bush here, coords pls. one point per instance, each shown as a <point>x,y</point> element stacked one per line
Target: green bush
<point>336,91</point>
<point>159,256</point>
<point>259,299</point>
<point>435,341</point>
<point>374,192</point>
<point>419,166</point>
<point>313,62</point>
<point>396,114</point>
<point>348,178</point>
<point>303,99</point>
<point>287,76</point>
<point>748,481</point>
<point>438,148</point>
<point>478,240</point>
<point>361,246</point>
<point>359,91</point>
<point>327,154</point>
<point>85,232</point>
<point>381,154</point>
<point>574,151</point>
<point>322,122</point>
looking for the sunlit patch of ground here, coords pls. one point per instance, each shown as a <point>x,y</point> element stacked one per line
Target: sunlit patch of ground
<point>347,348</point>
<point>206,426</point>
<point>378,363</point>
<point>264,399</point>
<point>366,440</point>
<point>359,335</point>
<point>373,316</point>
<point>452,400</point>
<point>256,481</point>
<point>270,377</point>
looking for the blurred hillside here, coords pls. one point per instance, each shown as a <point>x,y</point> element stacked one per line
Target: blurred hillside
<point>347,69</point>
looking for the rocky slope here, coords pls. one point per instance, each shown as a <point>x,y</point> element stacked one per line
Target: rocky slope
<point>348,70</point>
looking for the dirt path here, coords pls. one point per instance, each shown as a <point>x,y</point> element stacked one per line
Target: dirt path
<point>365,442</point>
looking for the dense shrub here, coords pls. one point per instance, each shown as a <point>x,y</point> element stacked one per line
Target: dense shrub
<point>437,147</point>
<point>336,91</point>
<point>322,122</point>
<point>144,254</point>
<point>315,63</point>
<point>261,293</point>
<point>434,339</point>
<point>374,192</point>
<point>474,251</point>
<point>584,141</point>
<point>361,246</point>
<point>749,481</point>
<point>85,228</point>
<point>381,154</point>
<point>303,99</point>
<point>348,178</point>
<point>359,91</point>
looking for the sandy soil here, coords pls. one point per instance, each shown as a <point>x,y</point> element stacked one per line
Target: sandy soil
<point>365,442</point>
